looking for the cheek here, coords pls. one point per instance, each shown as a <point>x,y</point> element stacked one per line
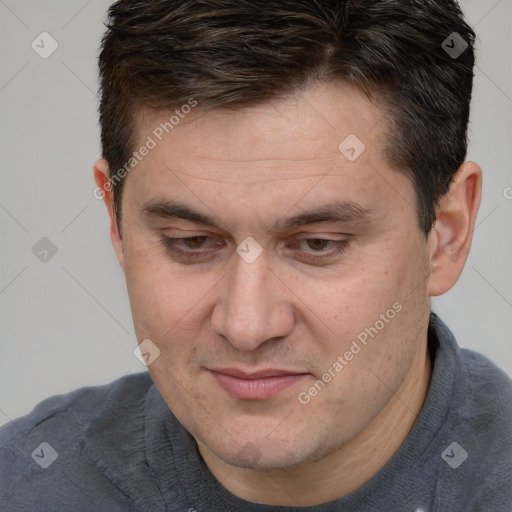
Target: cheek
<point>346,305</point>
<point>370,314</point>
<point>165,301</point>
<point>171,305</point>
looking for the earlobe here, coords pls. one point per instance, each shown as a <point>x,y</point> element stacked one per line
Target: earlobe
<point>104,190</point>
<point>452,233</point>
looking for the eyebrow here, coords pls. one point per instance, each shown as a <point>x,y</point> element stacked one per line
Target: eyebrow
<point>336,211</point>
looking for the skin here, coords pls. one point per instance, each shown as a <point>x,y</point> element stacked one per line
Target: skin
<point>249,169</point>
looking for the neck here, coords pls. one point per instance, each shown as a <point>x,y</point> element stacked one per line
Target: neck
<point>343,471</point>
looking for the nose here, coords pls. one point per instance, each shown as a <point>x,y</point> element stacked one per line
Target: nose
<point>252,307</point>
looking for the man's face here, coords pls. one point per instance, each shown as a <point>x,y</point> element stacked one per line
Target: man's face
<point>243,336</point>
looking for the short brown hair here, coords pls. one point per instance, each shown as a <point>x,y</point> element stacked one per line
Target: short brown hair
<point>157,54</point>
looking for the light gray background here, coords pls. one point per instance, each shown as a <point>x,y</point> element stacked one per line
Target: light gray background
<point>66,323</point>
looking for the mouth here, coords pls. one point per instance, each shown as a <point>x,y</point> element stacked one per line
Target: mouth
<point>258,385</point>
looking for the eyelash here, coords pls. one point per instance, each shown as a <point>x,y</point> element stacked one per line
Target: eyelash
<point>170,243</point>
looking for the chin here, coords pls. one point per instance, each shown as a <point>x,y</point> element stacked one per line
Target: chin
<point>264,454</point>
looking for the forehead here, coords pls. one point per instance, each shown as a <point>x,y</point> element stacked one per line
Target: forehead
<point>304,129</point>
<point>322,144</point>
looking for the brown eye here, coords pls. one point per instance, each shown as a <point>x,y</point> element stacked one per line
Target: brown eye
<point>319,244</point>
<point>317,250</point>
<point>194,242</point>
<point>192,248</point>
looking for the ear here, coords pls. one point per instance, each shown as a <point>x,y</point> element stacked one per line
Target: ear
<point>451,236</point>
<point>104,191</point>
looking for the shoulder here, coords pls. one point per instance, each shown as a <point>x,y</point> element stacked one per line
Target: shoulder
<point>487,421</point>
<point>53,432</point>
<point>490,387</point>
<point>82,404</point>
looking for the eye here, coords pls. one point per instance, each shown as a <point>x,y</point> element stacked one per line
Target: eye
<point>190,247</point>
<point>320,248</point>
<point>202,246</point>
<point>193,242</point>
<point>320,244</point>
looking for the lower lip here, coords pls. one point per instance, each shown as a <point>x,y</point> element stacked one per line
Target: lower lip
<point>256,389</point>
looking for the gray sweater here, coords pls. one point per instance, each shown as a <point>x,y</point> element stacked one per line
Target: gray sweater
<point>118,447</point>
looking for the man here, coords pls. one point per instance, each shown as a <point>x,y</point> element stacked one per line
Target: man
<point>287,189</point>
